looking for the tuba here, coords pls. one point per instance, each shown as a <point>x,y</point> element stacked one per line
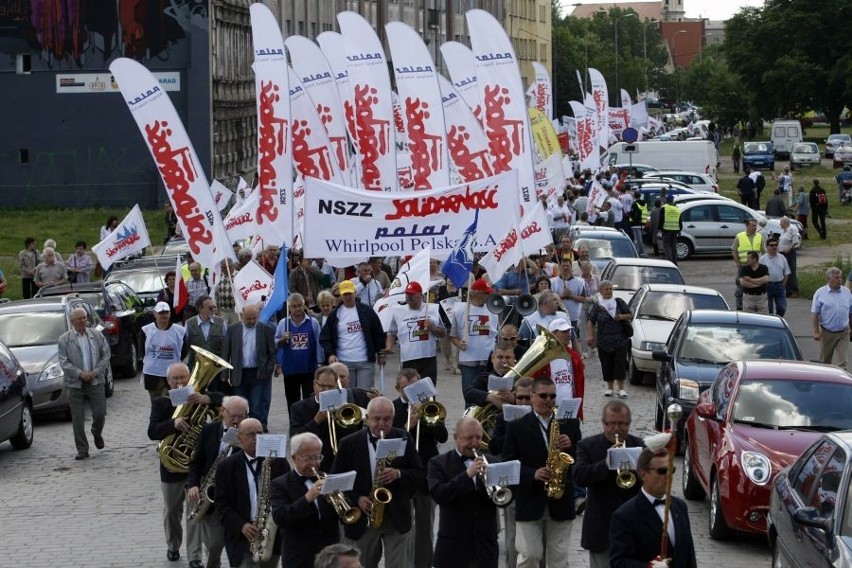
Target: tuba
<point>543,350</point>
<point>347,513</point>
<point>625,478</point>
<point>500,495</point>
<point>176,450</point>
<point>262,545</point>
<point>379,495</point>
<point>558,462</point>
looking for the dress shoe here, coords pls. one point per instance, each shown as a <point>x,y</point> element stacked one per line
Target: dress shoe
<point>173,555</point>
<point>99,441</point>
<point>196,564</point>
<point>82,456</point>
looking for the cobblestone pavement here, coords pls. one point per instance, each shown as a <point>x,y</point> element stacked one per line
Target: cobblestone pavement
<point>106,511</point>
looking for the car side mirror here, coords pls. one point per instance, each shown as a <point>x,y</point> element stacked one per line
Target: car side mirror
<point>660,356</point>
<point>706,410</point>
<point>809,517</point>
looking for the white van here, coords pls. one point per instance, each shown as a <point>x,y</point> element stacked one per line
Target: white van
<point>698,156</point>
<point>785,133</point>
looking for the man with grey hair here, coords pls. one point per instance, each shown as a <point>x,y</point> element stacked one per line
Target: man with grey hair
<point>304,517</point>
<point>548,304</point>
<point>788,240</point>
<point>830,310</point>
<point>51,272</point>
<point>338,556</point>
<point>196,287</point>
<point>84,355</point>
<point>250,349</point>
<point>299,352</point>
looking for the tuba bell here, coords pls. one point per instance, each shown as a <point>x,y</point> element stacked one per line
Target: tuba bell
<point>625,479</point>
<point>176,450</point>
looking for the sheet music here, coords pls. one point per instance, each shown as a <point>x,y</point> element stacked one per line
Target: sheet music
<point>271,445</point>
<point>504,473</point>
<point>338,482</point>
<point>180,395</point>
<point>568,408</point>
<point>421,391</point>
<point>395,446</point>
<point>229,438</point>
<point>515,411</point>
<point>498,383</point>
<point>617,456</point>
<point>332,399</point>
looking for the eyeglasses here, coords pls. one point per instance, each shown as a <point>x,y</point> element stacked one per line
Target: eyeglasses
<point>661,470</point>
<point>546,395</point>
<point>513,338</point>
<point>326,387</point>
<point>316,458</point>
<point>237,416</point>
<point>619,424</point>
<point>522,397</point>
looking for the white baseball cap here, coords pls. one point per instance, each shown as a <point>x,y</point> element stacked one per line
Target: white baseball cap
<point>162,307</point>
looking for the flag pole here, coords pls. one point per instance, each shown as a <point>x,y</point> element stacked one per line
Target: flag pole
<point>467,307</point>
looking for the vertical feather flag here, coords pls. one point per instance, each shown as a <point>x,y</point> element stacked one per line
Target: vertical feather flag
<point>280,288</point>
<point>459,264</point>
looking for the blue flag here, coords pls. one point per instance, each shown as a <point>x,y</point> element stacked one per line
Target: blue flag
<point>280,291</point>
<point>459,264</point>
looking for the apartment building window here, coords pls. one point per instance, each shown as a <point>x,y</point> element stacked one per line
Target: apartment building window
<point>542,13</point>
<point>543,54</point>
<point>301,28</point>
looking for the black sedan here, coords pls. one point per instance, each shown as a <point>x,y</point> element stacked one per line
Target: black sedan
<point>16,404</point>
<point>810,514</point>
<point>704,341</point>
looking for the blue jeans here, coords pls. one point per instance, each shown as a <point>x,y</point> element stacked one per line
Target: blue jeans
<point>468,376</point>
<point>776,296</point>
<point>362,374</point>
<point>253,389</point>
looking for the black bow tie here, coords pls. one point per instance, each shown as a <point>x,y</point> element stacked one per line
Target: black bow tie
<point>659,502</point>
<point>310,478</point>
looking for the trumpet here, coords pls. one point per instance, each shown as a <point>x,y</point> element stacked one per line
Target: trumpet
<point>347,514</point>
<point>625,479</point>
<point>500,495</point>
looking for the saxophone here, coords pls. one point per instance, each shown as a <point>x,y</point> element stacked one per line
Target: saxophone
<point>261,546</point>
<point>199,510</point>
<point>558,462</point>
<point>379,495</point>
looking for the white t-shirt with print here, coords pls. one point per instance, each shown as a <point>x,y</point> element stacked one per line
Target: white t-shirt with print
<point>409,326</point>
<point>351,345</point>
<point>482,332</point>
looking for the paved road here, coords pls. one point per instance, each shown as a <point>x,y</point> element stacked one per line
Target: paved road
<point>106,511</point>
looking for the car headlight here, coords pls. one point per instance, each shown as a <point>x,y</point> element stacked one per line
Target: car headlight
<point>756,467</point>
<point>689,390</point>
<point>652,346</point>
<point>51,372</point>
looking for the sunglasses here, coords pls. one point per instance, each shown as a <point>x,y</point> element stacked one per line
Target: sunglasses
<point>662,470</point>
<point>546,396</point>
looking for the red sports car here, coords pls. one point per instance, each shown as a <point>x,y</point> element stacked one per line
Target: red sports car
<point>757,418</point>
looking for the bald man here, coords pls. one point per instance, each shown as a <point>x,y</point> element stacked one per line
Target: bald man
<point>250,349</point>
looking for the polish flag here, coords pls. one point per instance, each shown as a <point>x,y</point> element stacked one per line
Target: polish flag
<point>181,293</point>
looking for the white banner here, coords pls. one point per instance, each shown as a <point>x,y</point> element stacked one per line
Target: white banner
<point>129,237</point>
<point>550,178</point>
<point>241,222</point>
<point>369,101</point>
<point>312,153</point>
<point>586,140</point>
<point>185,182</point>
<point>420,99</point>
<point>619,119</point>
<point>639,115</point>
<point>597,196</point>
<point>462,67</point>
<point>542,91</point>
<point>601,97</point>
<point>221,194</point>
<point>468,146</point>
<point>523,239</point>
<point>535,233</point>
<point>344,222</point>
<point>506,253</point>
<point>317,79</point>
<point>506,122</point>
<point>331,44</point>
<point>415,270</point>
<point>252,283</point>
<point>274,215</point>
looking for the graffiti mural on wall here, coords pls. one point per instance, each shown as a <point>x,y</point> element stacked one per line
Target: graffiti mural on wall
<point>75,34</point>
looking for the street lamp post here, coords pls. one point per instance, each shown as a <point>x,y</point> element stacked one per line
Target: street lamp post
<point>617,86</point>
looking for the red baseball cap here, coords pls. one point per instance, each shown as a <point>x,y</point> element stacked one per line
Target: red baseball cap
<point>414,288</point>
<point>481,285</point>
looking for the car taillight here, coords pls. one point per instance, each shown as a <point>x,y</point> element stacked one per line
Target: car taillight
<point>111,325</point>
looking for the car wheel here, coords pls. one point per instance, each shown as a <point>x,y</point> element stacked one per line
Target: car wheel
<point>636,376</point>
<point>719,529</point>
<point>691,488</point>
<point>683,248</point>
<point>132,368</point>
<point>24,438</point>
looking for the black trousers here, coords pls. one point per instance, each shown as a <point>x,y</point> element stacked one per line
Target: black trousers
<point>28,288</point>
<point>296,387</point>
<point>425,367</point>
<point>818,219</point>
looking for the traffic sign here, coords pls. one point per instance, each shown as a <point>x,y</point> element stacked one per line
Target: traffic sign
<point>630,135</point>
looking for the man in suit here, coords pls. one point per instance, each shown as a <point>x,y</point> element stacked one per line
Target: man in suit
<point>238,484</point>
<point>636,527</point>
<point>84,356</point>
<point>206,330</point>
<point>467,534</point>
<point>250,349</point>
<point>160,426</point>
<point>306,520</point>
<point>543,525</point>
<point>592,471</point>
<point>502,359</point>
<point>430,437</point>
<point>234,410</point>
<point>402,477</point>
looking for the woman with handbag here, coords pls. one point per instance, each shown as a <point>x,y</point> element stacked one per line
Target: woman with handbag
<point>610,331</point>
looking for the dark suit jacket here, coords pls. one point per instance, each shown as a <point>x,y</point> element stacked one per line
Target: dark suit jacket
<point>160,426</point>
<point>498,437</point>
<point>467,533</point>
<point>371,327</point>
<point>302,420</point>
<point>233,503</point>
<point>430,437</point>
<point>266,356</point>
<point>603,496</point>
<point>477,392</point>
<point>635,533</point>
<point>304,530</point>
<point>353,455</point>
<point>206,452</point>
<point>525,442</point>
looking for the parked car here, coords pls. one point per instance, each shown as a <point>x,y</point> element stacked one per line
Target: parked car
<point>757,418</point>
<point>629,274</point>
<point>146,280</point>
<point>701,182</point>
<point>604,245</point>
<point>651,189</point>
<point>758,155</point>
<point>833,141</point>
<point>655,309</point>
<point>810,514</point>
<point>633,170</point>
<point>704,341</point>
<point>31,330</point>
<point>804,154</point>
<point>842,155</point>
<point>16,403</point>
<point>123,314</point>
<point>175,246</point>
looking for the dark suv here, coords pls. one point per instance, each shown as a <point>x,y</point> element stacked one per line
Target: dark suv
<point>16,404</point>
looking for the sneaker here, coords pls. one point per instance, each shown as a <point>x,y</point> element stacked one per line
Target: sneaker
<point>622,393</point>
<point>608,392</point>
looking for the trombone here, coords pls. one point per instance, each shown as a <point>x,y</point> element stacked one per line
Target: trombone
<point>500,495</point>
<point>433,414</point>
<point>346,512</point>
<point>347,416</point>
<point>625,479</point>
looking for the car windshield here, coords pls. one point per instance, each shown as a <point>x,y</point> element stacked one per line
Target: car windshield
<point>632,277</point>
<point>805,149</point>
<point>839,137</point>
<point>31,328</point>
<point>141,282</point>
<point>756,148</point>
<point>600,248</point>
<point>670,305</point>
<point>720,344</point>
<point>794,404</point>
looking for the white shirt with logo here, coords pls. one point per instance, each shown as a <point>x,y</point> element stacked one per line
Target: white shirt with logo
<point>162,348</point>
<point>481,329</point>
<point>562,374</point>
<point>351,345</point>
<point>409,326</point>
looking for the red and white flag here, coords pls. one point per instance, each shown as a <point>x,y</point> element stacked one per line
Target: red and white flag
<point>586,139</point>
<point>185,182</point>
<point>540,92</point>
<point>252,284</point>
<point>462,67</point>
<point>597,196</point>
<point>312,153</point>
<point>274,215</point>
<point>466,142</point>
<point>523,238</point>
<point>241,222</point>
<point>221,194</point>
<point>601,98</point>
<point>181,293</point>
<point>415,270</point>
<point>130,236</point>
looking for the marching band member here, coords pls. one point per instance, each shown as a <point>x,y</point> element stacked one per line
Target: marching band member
<point>304,517</point>
<point>592,471</point>
<point>416,327</point>
<point>467,534</point>
<point>238,488</point>
<point>234,410</point>
<point>401,477</point>
<point>543,524</point>
<point>429,438</point>
<point>502,359</point>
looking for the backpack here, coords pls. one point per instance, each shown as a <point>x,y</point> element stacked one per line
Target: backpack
<point>822,198</point>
